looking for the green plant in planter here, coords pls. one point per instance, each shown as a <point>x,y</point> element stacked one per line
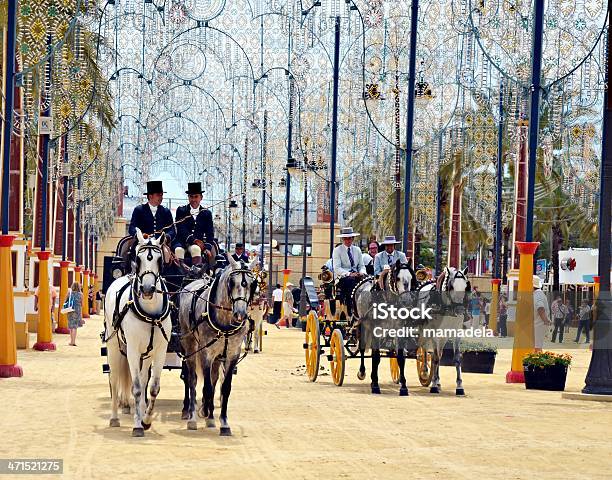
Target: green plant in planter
<point>477,347</point>
<point>547,359</point>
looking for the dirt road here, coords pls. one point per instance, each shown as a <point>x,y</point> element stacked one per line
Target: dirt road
<point>286,427</point>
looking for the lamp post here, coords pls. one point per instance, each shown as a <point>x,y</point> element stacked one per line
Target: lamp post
<point>414,21</point>
<point>334,135</point>
<point>289,159</point>
<point>599,375</point>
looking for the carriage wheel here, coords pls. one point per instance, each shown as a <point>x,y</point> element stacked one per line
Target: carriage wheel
<point>395,373</point>
<point>424,366</point>
<point>311,346</point>
<point>336,363</point>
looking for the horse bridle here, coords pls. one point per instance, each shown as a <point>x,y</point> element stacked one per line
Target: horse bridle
<point>243,283</point>
<point>150,249</point>
<point>394,275</point>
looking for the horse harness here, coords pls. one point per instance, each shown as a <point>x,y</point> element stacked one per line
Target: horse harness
<point>210,314</point>
<point>134,305</point>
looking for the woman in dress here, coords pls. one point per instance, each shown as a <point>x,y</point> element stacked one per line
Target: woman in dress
<point>75,318</point>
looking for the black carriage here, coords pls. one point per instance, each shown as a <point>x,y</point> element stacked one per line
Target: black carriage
<point>331,327</point>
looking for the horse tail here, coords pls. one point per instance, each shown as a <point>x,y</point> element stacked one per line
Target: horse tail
<point>119,371</point>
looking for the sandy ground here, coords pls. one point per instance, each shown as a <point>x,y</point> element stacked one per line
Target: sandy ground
<point>286,427</point>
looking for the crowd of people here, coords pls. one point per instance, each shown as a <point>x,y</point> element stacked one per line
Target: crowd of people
<point>554,319</point>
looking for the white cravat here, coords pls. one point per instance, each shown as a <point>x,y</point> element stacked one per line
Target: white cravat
<point>194,212</point>
<point>153,209</point>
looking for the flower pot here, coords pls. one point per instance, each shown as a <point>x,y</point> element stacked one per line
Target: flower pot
<point>550,377</point>
<point>478,362</point>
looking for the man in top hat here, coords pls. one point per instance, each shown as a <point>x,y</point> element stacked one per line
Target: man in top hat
<point>239,254</point>
<point>389,256</point>
<point>348,265</point>
<point>152,218</point>
<point>194,226</point>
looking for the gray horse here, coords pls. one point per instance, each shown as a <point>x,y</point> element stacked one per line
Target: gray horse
<point>397,281</point>
<point>214,322</point>
<point>447,292</point>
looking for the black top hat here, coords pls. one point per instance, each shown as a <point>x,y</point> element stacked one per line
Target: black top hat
<point>154,187</point>
<point>239,245</point>
<point>194,188</point>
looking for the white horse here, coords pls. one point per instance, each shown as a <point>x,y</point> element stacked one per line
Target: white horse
<point>257,312</point>
<point>451,286</point>
<point>137,328</point>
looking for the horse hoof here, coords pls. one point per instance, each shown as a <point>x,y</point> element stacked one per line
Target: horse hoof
<point>210,423</point>
<point>434,390</point>
<point>255,351</point>
<point>376,390</point>
<point>403,392</point>
<point>138,432</point>
<point>125,410</point>
<point>114,422</point>
<point>192,425</point>
<point>361,375</point>
<point>460,391</point>
<point>226,432</point>
<point>146,426</point>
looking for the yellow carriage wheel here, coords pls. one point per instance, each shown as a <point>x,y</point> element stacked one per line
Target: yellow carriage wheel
<point>311,346</point>
<point>424,366</point>
<point>395,373</point>
<point>336,352</point>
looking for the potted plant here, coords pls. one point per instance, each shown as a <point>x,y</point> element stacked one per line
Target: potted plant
<point>546,370</point>
<point>477,357</point>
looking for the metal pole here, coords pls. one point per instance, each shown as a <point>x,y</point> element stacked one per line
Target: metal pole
<point>534,114</point>
<point>414,20</point>
<point>304,254</point>
<point>334,138</point>
<point>244,186</point>
<point>45,159</point>
<point>288,177</point>
<point>599,375</point>
<point>264,152</point>
<point>498,207</point>
<point>8,110</point>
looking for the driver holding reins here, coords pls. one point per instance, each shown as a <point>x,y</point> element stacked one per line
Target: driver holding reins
<point>152,218</point>
<point>348,265</point>
<point>194,225</point>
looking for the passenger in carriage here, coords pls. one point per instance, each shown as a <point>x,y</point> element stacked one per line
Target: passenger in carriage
<point>389,256</point>
<point>152,217</point>
<point>368,258</point>
<point>194,226</point>
<point>348,266</point>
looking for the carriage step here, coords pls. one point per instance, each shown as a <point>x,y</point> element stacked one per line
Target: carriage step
<point>105,368</point>
<point>103,351</point>
<point>330,358</point>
